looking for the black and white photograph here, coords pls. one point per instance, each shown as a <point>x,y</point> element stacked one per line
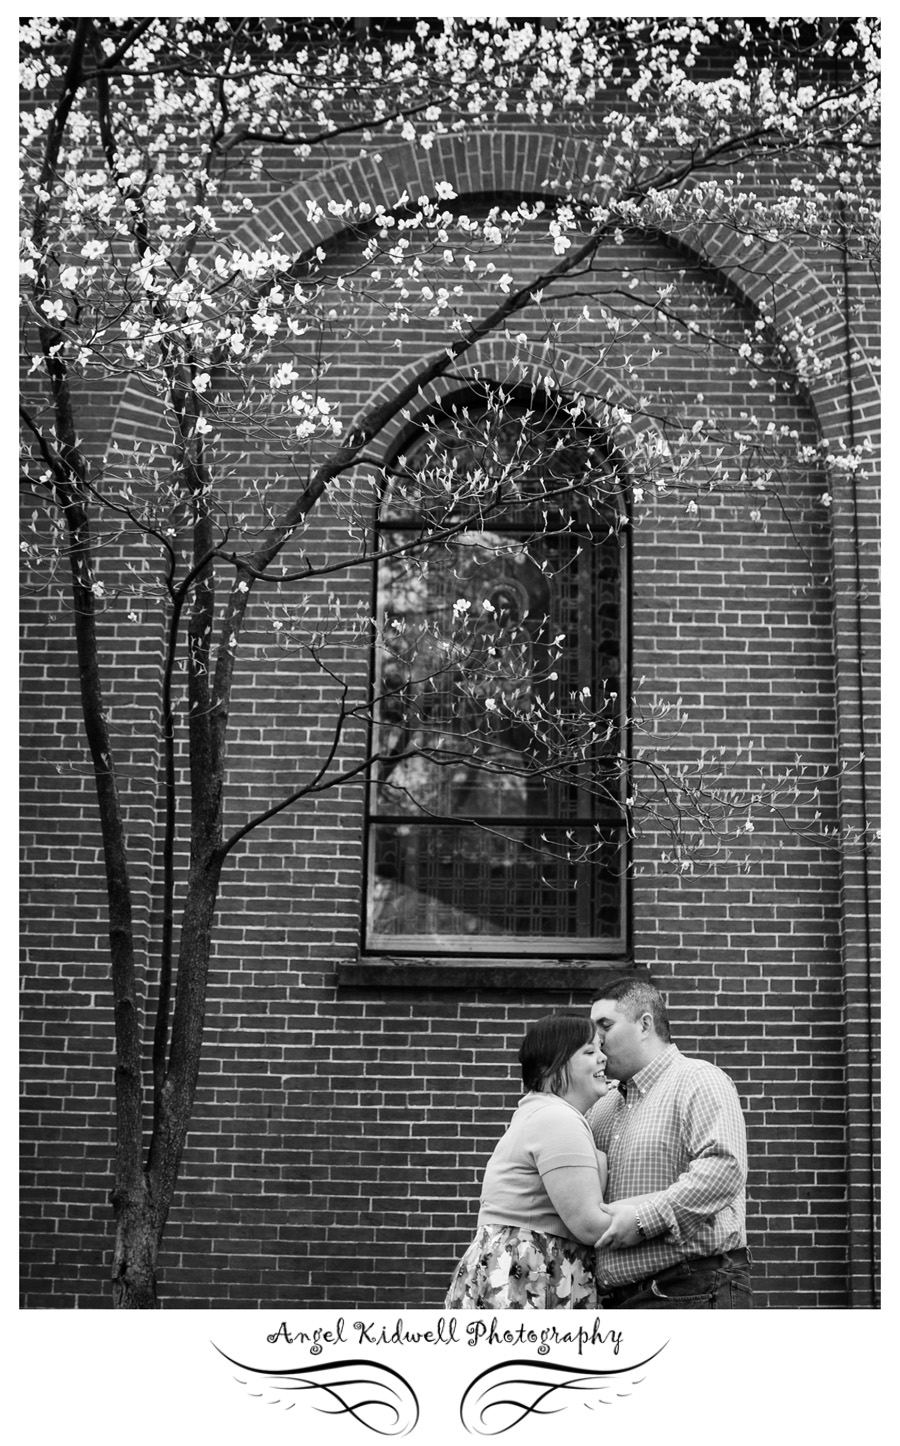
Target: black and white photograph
<point>449,731</point>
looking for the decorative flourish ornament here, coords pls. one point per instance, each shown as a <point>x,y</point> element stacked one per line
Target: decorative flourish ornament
<point>376,1396</point>
<point>504,1396</point>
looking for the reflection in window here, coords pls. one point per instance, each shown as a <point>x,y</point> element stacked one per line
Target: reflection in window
<point>495,819</point>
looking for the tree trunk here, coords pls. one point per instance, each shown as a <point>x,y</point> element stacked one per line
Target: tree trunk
<point>137,1247</point>
<point>142,1202</point>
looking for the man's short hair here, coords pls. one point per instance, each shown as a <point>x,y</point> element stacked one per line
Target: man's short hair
<point>636,997</point>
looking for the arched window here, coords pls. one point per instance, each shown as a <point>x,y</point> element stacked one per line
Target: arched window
<point>495,816</point>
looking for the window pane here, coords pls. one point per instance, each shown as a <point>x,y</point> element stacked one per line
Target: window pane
<point>479,889</point>
<point>510,467</point>
<point>496,799</point>
<point>481,641</point>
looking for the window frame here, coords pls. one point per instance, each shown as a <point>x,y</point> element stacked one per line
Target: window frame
<point>422,958</point>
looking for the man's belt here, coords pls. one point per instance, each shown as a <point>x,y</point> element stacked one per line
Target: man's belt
<point>680,1271</point>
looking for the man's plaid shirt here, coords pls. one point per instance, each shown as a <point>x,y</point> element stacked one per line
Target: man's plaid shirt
<point>677,1146</point>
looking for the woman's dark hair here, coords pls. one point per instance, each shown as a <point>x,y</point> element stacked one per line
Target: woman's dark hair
<point>549,1044</point>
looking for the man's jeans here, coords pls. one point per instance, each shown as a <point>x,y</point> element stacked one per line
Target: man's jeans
<point>716,1282</point>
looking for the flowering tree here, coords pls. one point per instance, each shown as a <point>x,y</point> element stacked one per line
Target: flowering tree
<point>146,143</point>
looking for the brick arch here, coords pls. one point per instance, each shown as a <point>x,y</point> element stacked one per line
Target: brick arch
<point>765,275</point>
<point>637,437</point>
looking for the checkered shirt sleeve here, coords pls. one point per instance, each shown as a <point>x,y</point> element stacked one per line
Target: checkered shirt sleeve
<point>677,1149</point>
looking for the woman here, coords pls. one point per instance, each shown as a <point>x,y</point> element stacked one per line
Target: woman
<point>542,1199</point>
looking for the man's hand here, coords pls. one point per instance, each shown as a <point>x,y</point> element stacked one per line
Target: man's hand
<point>623,1230</point>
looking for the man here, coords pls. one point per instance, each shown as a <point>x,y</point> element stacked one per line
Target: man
<point>674,1135</point>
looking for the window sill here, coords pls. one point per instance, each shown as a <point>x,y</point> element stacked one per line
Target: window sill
<point>562,976</point>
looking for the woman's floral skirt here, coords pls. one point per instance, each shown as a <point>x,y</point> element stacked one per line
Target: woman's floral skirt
<point>509,1268</point>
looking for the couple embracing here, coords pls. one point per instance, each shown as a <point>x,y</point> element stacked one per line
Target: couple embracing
<point>630,1198</point>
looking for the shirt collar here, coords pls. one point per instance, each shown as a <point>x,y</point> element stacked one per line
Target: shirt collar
<point>646,1078</point>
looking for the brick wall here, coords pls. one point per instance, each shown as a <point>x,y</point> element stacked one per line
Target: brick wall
<point>341,1129</point>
